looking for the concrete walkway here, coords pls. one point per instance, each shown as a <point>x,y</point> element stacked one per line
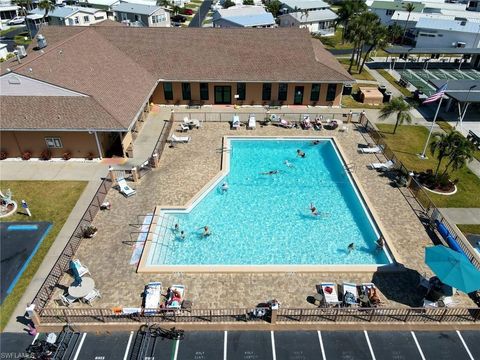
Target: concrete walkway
<point>462,215</point>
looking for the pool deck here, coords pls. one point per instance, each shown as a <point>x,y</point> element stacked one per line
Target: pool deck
<point>184,170</point>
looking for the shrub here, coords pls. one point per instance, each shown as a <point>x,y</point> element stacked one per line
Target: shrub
<point>46,155</point>
<point>89,231</point>
<point>10,55</point>
<point>67,155</point>
<point>3,155</point>
<point>26,155</point>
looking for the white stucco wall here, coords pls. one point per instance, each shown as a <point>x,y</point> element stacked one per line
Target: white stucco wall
<point>446,39</point>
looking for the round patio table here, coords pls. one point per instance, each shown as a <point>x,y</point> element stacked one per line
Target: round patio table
<point>81,290</point>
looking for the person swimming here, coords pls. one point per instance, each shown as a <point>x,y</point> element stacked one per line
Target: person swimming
<point>224,187</point>
<point>271,172</point>
<point>351,247</point>
<point>182,235</point>
<point>300,153</point>
<point>313,209</point>
<point>315,142</point>
<point>176,228</point>
<point>288,163</point>
<point>206,232</point>
<point>380,243</point>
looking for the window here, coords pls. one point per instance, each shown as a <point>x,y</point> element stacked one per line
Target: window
<point>186,94</point>
<point>389,12</point>
<point>241,91</point>
<point>137,17</point>
<point>315,94</point>
<point>266,92</point>
<point>53,143</point>
<point>86,19</point>
<point>75,19</point>
<point>154,19</point>
<point>168,91</point>
<point>331,92</point>
<point>204,91</point>
<point>99,17</point>
<point>124,16</point>
<point>282,91</point>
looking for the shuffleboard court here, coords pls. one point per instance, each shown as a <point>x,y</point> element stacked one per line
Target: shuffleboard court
<point>252,345</point>
<point>104,347</point>
<point>441,345</point>
<point>394,345</point>
<point>346,345</point>
<point>201,346</point>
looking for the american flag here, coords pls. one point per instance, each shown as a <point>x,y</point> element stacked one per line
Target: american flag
<point>437,95</point>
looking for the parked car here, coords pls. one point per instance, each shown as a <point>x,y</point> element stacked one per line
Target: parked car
<point>187,11</point>
<point>178,18</point>
<point>17,20</point>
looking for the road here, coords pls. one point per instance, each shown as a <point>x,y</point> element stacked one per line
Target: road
<point>281,345</point>
<point>201,14</point>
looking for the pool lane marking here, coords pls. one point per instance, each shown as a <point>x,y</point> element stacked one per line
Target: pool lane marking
<point>369,345</point>
<point>175,353</point>
<point>79,346</point>
<point>274,355</point>
<point>321,345</point>
<point>128,346</point>
<point>418,345</point>
<point>35,338</point>
<point>465,345</point>
<point>225,337</point>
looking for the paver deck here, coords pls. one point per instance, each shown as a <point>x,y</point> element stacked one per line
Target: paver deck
<point>183,171</point>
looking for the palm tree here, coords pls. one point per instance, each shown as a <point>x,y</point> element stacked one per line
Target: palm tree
<point>358,33</point>
<point>399,107</point>
<point>24,6</point>
<point>377,40</point>
<point>395,31</point>
<point>347,10</point>
<point>248,2</point>
<point>274,7</point>
<point>304,13</point>
<point>46,5</point>
<point>163,3</point>
<point>453,146</point>
<point>409,7</point>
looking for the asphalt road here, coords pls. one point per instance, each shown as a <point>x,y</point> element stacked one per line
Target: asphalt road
<point>253,345</point>
<point>201,14</point>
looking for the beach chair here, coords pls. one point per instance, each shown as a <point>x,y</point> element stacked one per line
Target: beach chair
<point>330,294</point>
<point>235,122</point>
<point>177,304</point>
<point>180,139</point>
<point>382,166</point>
<point>365,299</point>
<point>183,128</point>
<point>66,300</point>
<point>371,150</point>
<point>252,124</point>
<point>284,123</point>
<point>124,188</point>
<point>191,122</point>
<point>91,296</point>
<point>350,294</point>
<point>152,295</point>
<point>82,269</point>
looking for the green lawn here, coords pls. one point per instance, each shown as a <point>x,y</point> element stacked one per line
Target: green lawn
<point>335,41</point>
<point>5,32</point>
<point>348,101</point>
<point>394,82</point>
<point>54,206</point>
<point>408,142</point>
<point>364,75</point>
<point>469,229</point>
<point>20,39</point>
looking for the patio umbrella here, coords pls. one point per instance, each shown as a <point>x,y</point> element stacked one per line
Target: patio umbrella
<point>452,268</point>
<point>76,275</point>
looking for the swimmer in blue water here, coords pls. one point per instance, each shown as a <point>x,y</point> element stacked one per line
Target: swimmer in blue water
<point>224,187</point>
<point>288,163</point>
<point>182,235</point>
<point>313,209</point>
<point>351,247</point>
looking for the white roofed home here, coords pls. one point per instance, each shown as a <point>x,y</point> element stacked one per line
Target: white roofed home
<point>106,5</point>
<point>8,10</point>
<point>441,33</point>
<point>142,15</point>
<point>71,16</point>
<point>245,16</point>
<point>320,22</point>
<point>298,5</point>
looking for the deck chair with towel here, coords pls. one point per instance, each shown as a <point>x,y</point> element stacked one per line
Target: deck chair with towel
<point>180,139</point>
<point>152,296</point>
<point>82,269</point>
<point>251,122</point>
<point>371,150</point>
<point>350,294</point>
<point>235,122</point>
<point>178,295</point>
<point>124,188</point>
<point>382,166</point>
<point>330,294</point>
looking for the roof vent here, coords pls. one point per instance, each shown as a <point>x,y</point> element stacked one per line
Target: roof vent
<point>14,80</point>
<point>41,41</point>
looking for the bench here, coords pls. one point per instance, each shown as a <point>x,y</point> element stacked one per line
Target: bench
<point>195,104</point>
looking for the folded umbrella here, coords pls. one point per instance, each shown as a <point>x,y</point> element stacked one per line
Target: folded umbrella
<point>75,273</point>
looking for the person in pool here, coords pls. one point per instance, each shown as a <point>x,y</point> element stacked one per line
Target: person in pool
<point>313,209</point>
<point>380,243</point>
<point>288,163</point>
<point>176,228</point>
<point>224,187</point>
<point>182,235</point>
<point>351,247</point>
<point>206,232</point>
<point>271,172</point>
<point>315,142</point>
<point>300,153</point>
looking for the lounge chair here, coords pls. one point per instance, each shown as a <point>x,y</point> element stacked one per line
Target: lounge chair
<point>82,269</point>
<point>382,166</point>
<point>67,300</point>
<point>371,150</point>
<point>152,295</point>
<point>180,139</point>
<point>124,188</point>
<point>235,122</point>
<point>252,124</point>
<point>330,294</point>
<point>370,300</point>
<point>183,128</point>
<point>91,296</point>
<point>191,123</point>
<point>350,294</point>
<point>286,124</point>
<point>344,128</point>
<point>177,304</point>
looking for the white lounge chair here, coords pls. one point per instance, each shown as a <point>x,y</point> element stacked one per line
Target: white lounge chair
<point>252,124</point>
<point>349,288</point>
<point>67,300</point>
<point>183,128</point>
<point>180,139</point>
<point>382,166</point>
<point>152,295</point>
<point>91,296</point>
<point>330,294</point>
<point>371,150</point>
<point>181,291</point>
<point>82,269</point>
<point>235,122</point>
<point>286,124</point>
<point>191,122</point>
<point>124,188</point>
<point>343,128</point>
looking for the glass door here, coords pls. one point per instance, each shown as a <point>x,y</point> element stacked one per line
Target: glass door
<point>298,98</point>
<point>223,94</point>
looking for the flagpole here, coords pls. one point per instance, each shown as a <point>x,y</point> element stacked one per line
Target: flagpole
<point>422,156</point>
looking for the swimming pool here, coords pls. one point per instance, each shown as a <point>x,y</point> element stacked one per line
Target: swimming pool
<point>265,219</point>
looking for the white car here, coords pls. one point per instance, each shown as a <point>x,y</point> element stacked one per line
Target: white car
<point>17,20</point>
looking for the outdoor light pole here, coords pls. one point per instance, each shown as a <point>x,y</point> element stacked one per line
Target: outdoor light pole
<point>423,156</point>
<point>462,116</point>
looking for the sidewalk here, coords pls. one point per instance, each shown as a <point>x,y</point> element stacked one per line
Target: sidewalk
<point>462,215</point>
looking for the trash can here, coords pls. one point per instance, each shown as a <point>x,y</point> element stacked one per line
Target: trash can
<point>387,96</point>
<point>382,88</point>
<point>347,89</point>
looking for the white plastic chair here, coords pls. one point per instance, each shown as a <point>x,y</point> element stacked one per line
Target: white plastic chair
<point>67,300</point>
<point>82,269</point>
<point>124,188</point>
<point>91,296</point>
<point>180,139</point>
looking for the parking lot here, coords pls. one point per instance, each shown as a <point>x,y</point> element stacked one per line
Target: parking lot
<point>275,345</point>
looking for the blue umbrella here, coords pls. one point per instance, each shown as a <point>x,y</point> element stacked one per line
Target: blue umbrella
<point>453,268</point>
<point>74,270</point>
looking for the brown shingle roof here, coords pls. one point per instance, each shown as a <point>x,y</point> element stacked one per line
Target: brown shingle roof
<point>55,112</point>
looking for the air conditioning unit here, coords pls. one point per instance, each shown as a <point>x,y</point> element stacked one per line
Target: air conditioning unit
<point>21,51</point>
<point>461,44</point>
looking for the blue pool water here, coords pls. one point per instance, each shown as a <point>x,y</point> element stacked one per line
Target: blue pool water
<point>266,219</point>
